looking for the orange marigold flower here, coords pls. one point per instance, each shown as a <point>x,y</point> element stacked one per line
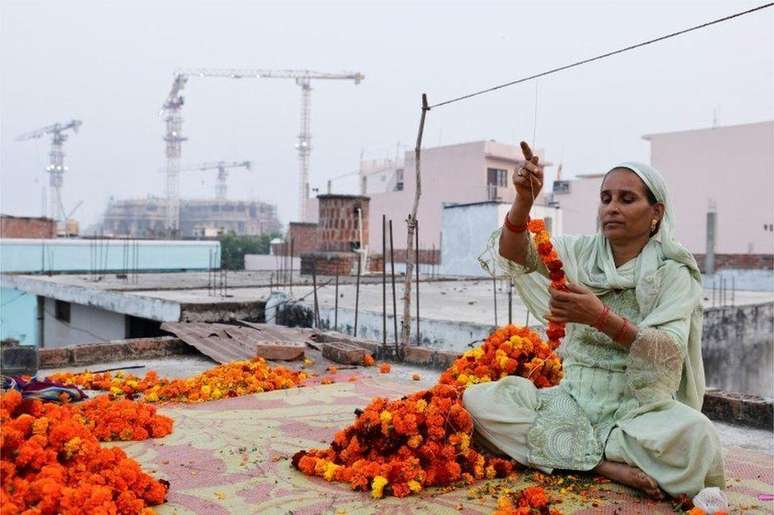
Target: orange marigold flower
<point>384,368</point>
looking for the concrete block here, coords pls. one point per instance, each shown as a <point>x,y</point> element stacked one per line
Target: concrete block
<point>19,360</point>
<point>738,408</point>
<point>343,353</point>
<point>277,350</point>
<point>426,357</point>
<point>55,358</point>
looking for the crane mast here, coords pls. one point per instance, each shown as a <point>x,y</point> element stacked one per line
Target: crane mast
<point>173,137</point>
<point>56,167</point>
<point>174,104</point>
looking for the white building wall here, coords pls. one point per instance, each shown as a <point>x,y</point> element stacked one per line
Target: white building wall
<point>87,324</point>
<point>254,262</point>
<point>468,227</point>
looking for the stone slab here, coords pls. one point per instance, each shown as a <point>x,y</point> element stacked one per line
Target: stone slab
<point>343,353</point>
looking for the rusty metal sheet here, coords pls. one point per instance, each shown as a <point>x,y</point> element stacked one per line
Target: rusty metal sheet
<point>225,343</point>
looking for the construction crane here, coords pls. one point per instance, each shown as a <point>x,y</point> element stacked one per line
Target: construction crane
<point>56,167</point>
<point>174,139</point>
<point>222,167</point>
<point>303,78</point>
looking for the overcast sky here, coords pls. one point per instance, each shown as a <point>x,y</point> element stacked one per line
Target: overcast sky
<point>110,65</point>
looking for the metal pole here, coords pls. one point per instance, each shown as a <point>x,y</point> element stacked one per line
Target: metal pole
<point>384,282</point>
<point>291,267</point>
<point>336,304</point>
<point>416,233</point>
<point>357,293</point>
<point>314,285</point>
<point>733,290</point>
<point>510,302</point>
<point>494,297</point>
<point>394,302</point>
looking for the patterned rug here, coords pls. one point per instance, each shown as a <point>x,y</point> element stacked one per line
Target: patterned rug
<point>233,456</point>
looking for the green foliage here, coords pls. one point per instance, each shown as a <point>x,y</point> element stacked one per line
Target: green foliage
<point>233,248</point>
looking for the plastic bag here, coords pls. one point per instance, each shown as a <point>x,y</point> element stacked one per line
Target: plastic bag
<point>711,501</point>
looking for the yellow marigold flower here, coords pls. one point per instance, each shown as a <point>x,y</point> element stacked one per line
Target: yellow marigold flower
<point>421,405</point>
<point>464,441</point>
<point>414,441</point>
<point>478,352</point>
<point>151,397</point>
<point>116,390</point>
<point>216,394</point>
<point>385,416</point>
<point>72,446</point>
<point>377,486</point>
<point>414,486</point>
<point>205,389</point>
<point>463,379</point>
<point>40,426</point>
<point>330,470</point>
<point>490,472</point>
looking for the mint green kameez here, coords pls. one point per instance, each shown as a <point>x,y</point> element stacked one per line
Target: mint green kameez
<point>638,405</point>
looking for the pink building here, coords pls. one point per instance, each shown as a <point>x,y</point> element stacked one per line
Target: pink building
<point>479,171</point>
<point>728,171</point>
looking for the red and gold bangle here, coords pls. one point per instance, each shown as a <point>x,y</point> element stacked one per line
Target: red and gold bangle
<point>515,228</point>
<point>620,332</point>
<point>600,323</point>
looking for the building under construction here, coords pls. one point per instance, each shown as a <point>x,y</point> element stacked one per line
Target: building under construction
<point>201,218</point>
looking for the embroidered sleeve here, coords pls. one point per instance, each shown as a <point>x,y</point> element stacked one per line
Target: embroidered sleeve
<point>654,365</point>
<point>492,262</point>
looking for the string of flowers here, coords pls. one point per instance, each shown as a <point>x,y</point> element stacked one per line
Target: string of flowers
<point>227,380</point>
<point>51,462</point>
<point>550,258</point>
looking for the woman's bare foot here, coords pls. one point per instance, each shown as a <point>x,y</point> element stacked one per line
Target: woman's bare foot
<point>630,476</point>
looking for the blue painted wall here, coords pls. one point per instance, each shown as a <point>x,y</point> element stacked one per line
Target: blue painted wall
<point>18,309</point>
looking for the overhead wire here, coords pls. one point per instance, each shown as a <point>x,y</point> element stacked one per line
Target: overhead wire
<point>602,56</point>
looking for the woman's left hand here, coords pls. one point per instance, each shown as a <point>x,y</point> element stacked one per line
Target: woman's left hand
<point>578,304</point>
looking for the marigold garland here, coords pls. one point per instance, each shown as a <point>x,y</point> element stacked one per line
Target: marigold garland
<point>550,258</point>
<point>53,463</point>
<point>228,380</point>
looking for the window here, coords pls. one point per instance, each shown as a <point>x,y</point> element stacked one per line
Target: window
<point>497,177</point>
<point>62,311</point>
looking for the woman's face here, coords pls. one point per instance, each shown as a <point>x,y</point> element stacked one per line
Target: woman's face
<point>624,210</point>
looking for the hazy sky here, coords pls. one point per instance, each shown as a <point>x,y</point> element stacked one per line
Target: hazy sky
<point>110,64</point>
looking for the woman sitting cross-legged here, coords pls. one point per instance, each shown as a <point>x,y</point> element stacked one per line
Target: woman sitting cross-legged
<point>629,405</point>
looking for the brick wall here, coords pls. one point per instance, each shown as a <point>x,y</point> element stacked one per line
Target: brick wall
<point>26,227</point>
<point>339,224</point>
<point>426,257</point>
<point>329,263</point>
<point>739,261</point>
<point>305,237</point>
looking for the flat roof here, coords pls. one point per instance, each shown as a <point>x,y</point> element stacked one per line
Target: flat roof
<point>648,137</point>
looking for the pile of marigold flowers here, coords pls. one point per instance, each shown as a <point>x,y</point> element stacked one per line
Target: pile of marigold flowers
<point>228,380</point>
<point>530,501</point>
<point>52,462</point>
<point>401,447</point>
<point>424,439</point>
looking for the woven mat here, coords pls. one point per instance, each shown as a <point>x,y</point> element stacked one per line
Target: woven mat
<point>233,456</point>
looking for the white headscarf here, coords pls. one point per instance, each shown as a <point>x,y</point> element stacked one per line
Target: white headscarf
<point>655,273</point>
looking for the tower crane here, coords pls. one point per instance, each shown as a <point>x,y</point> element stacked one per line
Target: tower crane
<point>56,167</point>
<point>303,79</point>
<point>222,167</point>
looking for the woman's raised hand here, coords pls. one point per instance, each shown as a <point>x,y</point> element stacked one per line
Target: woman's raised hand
<point>578,305</point>
<point>528,179</point>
